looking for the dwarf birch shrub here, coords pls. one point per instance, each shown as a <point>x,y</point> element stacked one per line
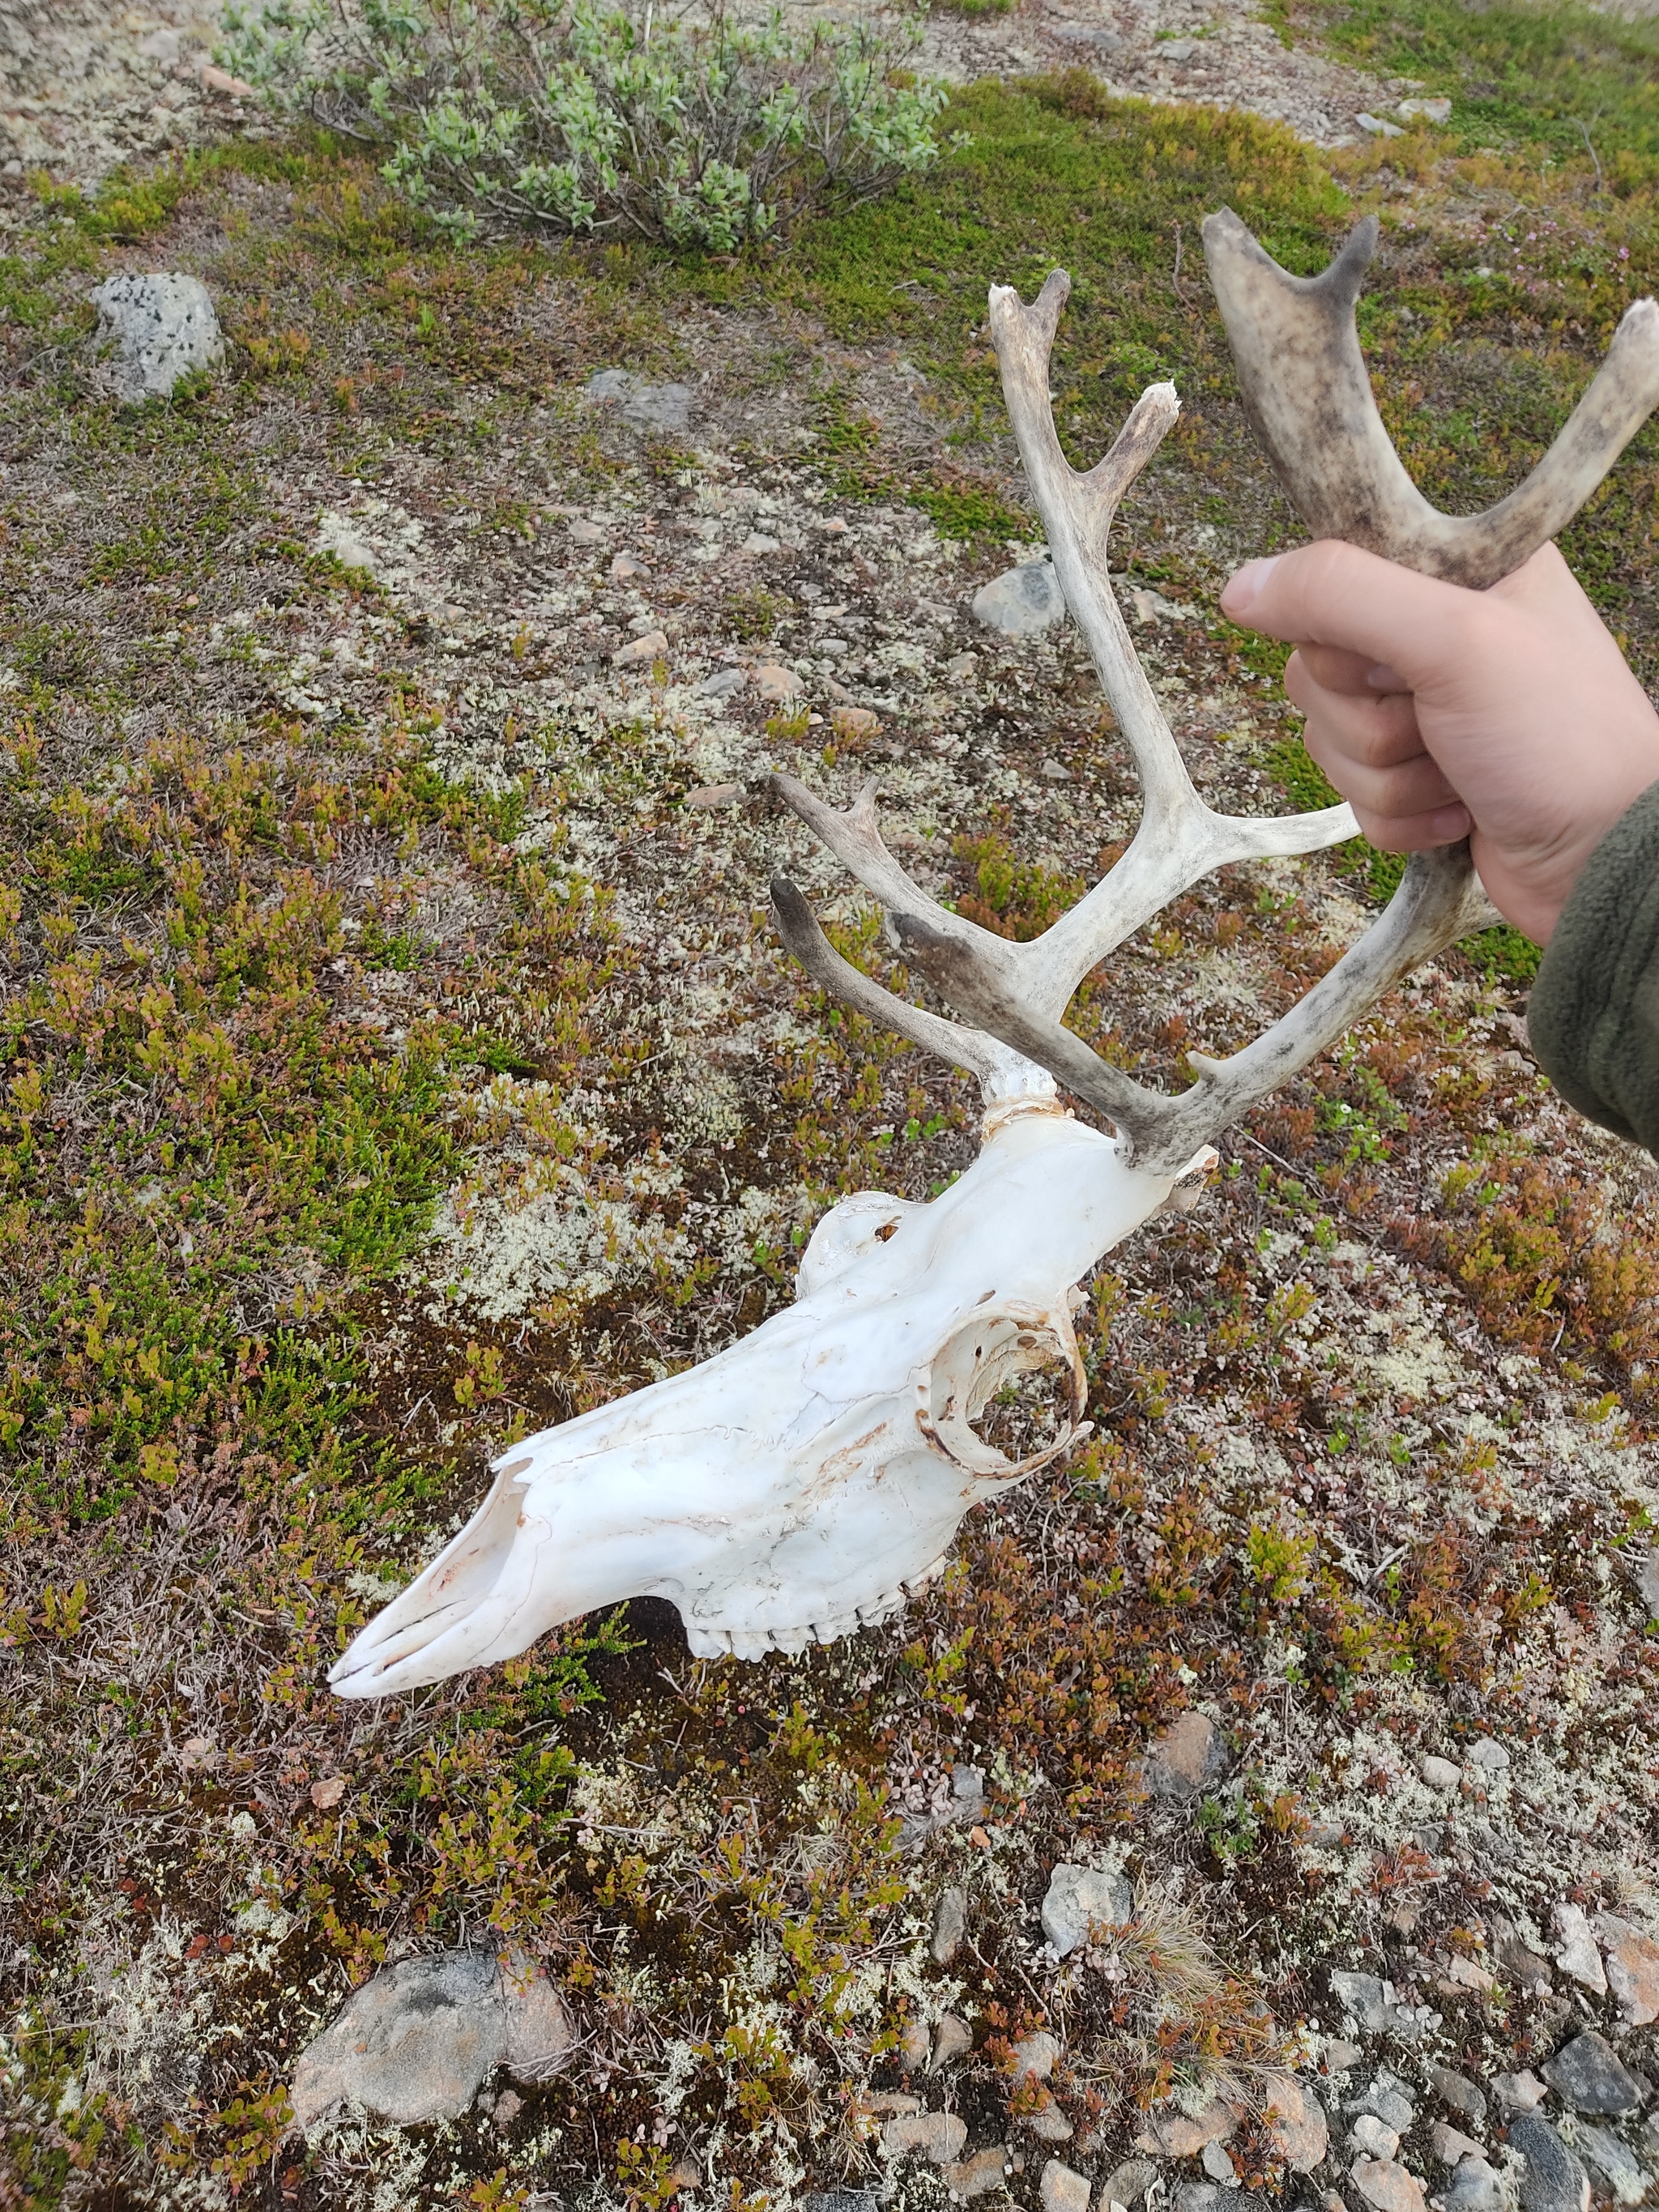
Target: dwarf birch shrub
<point>707,134</point>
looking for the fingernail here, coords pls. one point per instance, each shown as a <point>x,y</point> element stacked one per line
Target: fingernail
<point>1452,825</point>
<point>1246,587</point>
<point>1384,679</point>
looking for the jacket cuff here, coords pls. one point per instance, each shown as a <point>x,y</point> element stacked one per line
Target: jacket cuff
<point>1594,1015</point>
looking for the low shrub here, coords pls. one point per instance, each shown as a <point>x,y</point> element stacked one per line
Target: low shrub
<point>709,135</point>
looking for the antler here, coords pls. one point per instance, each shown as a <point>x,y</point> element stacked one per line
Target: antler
<point>1307,392</point>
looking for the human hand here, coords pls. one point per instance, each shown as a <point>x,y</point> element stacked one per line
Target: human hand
<point>1506,716</point>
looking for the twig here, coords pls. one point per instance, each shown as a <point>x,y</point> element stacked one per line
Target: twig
<point>1589,146</point>
<point>1175,278</point>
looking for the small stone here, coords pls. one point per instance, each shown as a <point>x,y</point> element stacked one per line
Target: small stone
<point>1463,1973</point>
<point>1296,2123</point>
<point>1610,2160</point>
<point>652,647</point>
<point>656,408</point>
<point>326,1795</point>
<point>1063,2189</point>
<point>163,328</point>
<point>198,1751</point>
<point>914,2045</point>
<point>1475,2187</point>
<point>1587,2073</point>
<point>1184,2135</point>
<point>338,535</point>
<point>214,79</point>
<point>1447,2146</point>
<point>724,684</point>
<point>1632,1969</point>
<point>1489,1755</point>
<point>889,2100</point>
<point>1457,2091</point>
<point>1022,602</point>
<point>1428,111</point>
<point>509,2105</point>
<point>962,667</point>
<point>775,682</point>
<point>1377,127</point>
<point>1196,2196</point>
<point>686,2173</point>
<point>1128,2183</point>
<point>939,2135</point>
<point>1440,1774</point>
<point>832,526</point>
<point>1365,1997</point>
<point>1035,2055</point>
<point>1519,2092</point>
<point>1217,2163</point>
<point>587,533</point>
<point>1647,1583</point>
<point>1055,771</point>
<point>758,541</point>
<point>1079,1899</point>
<point>1050,2125</point>
<point>1371,2135</point>
<point>540,2035</point>
<point>1554,2181</point>
<point>952,2039</point>
<point>1387,2098</point>
<point>626,566</point>
<point>1340,2056</point>
<point>839,2200</point>
<point>977,2176</point>
<point>1185,1759</point>
<point>715,795</point>
<point>1575,1950</point>
<point>853,722</point>
<point>1380,2182</point>
<point>1519,1961</point>
<point>950,1926</point>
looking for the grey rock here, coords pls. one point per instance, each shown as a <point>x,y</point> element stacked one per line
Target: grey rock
<point>1457,2091</point>
<point>1371,2003</point>
<point>1340,2057</point>
<point>1196,2196</point>
<point>1519,1961</point>
<point>1450,2147</point>
<point>967,1791</point>
<point>1387,2098</point>
<point>1095,38</point>
<point>1037,2054</point>
<point>1021,602</point>
<point>840,2200</point>
<point>1519,2092</point>
<point>950,1925</point>
<point>724,684</point>
<point>1375,2136</point>
<point>163,329</point>
<point>1189,1755</point>
<point>418,2040</point>
<point>914,2045</point>
<point>1475,2187</point>
<point>1128,2183</point>
<point>1440,1774</point>
<point>1587,2073</point>
<point>1555,2179</point>
<point>1079,1898</point>
<point>660,409</point>
<point>1612,2161</point>
<point>953,2038</point>
<point>1063,2189</point>
<point>1576,1951</point>
<point>1647,1583</point>
<point>1217,2165</point>
<point>1489,1755</point>
<point>940,2136</point>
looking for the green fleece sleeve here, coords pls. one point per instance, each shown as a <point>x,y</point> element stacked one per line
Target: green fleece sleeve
<point>1594,1017</point>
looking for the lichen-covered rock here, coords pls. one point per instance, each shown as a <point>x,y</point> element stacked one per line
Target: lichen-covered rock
<point>1632,1969</point>
<point>1553,2179</point>
<point>1457,2091</point>
<point>1189,1755</point>
<point>1610,2161</point>
<point>950,1925</point>
<point>1297,2123</point>
<point>659,408</point>
<point>1588,2075</point>
<point>1080,1897</point>
<point>1063,2189</point>
<point>163,328</point>
<point>1387,2185</point>
<point>977,2176</point>
<point>1021,602</point>
<point>939,2135</point>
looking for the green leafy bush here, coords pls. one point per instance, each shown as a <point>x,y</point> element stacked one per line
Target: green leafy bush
<point>711,135</point>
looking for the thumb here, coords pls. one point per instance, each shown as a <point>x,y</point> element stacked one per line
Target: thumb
<point>1332,593</point>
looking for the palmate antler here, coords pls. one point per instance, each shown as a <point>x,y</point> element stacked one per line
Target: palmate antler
<point>802,1483</point>
<point>1310,399</point>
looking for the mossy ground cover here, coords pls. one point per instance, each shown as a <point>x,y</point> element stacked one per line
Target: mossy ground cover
<point>335,911</point>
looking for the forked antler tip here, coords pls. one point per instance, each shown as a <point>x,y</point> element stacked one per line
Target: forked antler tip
<point>1231,246</point>
<point>1006,306</point>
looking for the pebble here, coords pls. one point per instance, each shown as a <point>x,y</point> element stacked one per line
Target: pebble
<point>1519,2092</point>
<point>1050,2125</point>
<point>715,795</point>
<point>1300,2132</point>
<point>1128,2183</point>
<point>758,541</point>
<point>950,1926</point>
<point>1457,2091</point>
<point>649,647</point>
<point>1604,2153</point>
<point>1185,1759</point>
<point>1588,2074</point>
<point>419,2039</point>
<point>626,566</point>
<point>978,2175</point>
<point>1036,2054</point>
<point>1196,2196</point>
<point>1429,110</point>
<point>1387,2098</point>
<point>1489,1755</point>
<point>914,2045</point>
<point>1446,2145</point>
<point>1055,771</point>
<point>1576,1952</point>
<point>1516,1957</point>
<point>1554,2181</point>
<point>163,328</point>
<point>1463,1973</point>
<point>1340,2056</point>
<point>326,1795</point>
<point>1365,1996</point>
<point>1377,126</point>
<point>1080,1897</point>
<point>840,2200</point>
<point>658,408</point>
<point>1063,2189</point>
<point>723,683</point>
<point>587,533</point>
<point>1475,2187</point>
<point>962,667</point>
<point>1022,602</point>
<point>1217,2163</point>
<point>860,722</point>
<point>952,2039</point>
<point>1647,1581</point>
<point>775,682</point>
<point>939,2135</point>
<point>1380,2182</point>
<point>1371,2135</point>
<point>1184,2135</point>
<point>1632,1969</point>
<point>1440,1774</point>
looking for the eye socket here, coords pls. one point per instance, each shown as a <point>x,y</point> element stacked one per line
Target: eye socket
<point>1006,1394</point>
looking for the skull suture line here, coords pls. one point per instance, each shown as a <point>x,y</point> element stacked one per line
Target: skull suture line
<point>795,1487</point>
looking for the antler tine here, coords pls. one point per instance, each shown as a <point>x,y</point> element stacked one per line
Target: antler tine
<point>980,1054</point>
<point>1309,396</point>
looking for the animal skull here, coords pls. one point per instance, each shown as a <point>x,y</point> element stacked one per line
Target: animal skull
<point>797,1486</point>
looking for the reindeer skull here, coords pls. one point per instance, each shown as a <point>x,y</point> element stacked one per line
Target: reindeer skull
<point>797,1485</point>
